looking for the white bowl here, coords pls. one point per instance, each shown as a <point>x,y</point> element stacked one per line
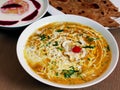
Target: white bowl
<point>33,7</point>
<point>69,18</point>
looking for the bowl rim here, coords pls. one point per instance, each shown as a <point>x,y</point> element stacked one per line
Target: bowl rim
<point>32,21</point>
<point>69,17</point>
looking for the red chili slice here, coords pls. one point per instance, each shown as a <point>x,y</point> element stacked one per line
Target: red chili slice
<point>36,4</point>
<point>31,16</point>
<point>76,49</point>
<point>8,22</point>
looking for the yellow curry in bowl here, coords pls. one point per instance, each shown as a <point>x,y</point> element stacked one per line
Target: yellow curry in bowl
<point>67,53</point>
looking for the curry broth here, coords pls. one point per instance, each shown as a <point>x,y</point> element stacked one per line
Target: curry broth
<point>67,53</point>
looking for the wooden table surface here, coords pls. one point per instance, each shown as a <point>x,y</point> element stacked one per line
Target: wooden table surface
<point>14,77</point>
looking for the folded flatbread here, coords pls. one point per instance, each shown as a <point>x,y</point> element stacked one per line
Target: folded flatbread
<point>98,10</point>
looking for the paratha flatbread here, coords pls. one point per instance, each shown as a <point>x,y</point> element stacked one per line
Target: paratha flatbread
<point>98,10</point>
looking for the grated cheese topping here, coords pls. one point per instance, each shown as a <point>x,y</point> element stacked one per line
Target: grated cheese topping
<point>49,53</point>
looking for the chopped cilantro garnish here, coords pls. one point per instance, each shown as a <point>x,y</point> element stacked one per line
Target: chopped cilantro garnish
<point>60,48</point>
<point>59,30</point>
<point>56,74</point>
<point>48,43</point>
<point>69,73</point>
<point>108,48</point>
<point>90,39</point>
<point>43,37</point>
<point>55,43</point>
<point>89,47</point>
<point>48,37</point>
<point>81,76</point>
<point>88,59</point>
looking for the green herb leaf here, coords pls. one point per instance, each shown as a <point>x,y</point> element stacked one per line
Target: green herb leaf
<point>90,39</point>
<point>48,37</point>
<point>89,47</point>
<point>43,37</point>
<point>60,48</point>
<point>56,74</point>
<point>108,48</point>
<point>88,59</point>
<point>69,73</point>
<point>59,30</point>
<point>66,73</point>
<point>48,43</point>
<point>55,44</point>
<point>82,77</point>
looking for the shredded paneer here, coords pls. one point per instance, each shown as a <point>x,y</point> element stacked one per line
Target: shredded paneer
<point>67,53</point>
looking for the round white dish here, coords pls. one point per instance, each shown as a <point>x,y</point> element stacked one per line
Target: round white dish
<point>36,7</point>
<point>68,18</point>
